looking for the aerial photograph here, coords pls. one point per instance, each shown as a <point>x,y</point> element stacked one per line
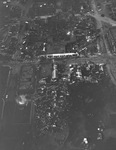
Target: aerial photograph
<point>57,74</point>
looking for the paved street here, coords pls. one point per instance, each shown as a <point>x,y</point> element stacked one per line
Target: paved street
<point>98,16</point>
<point>19,119</point>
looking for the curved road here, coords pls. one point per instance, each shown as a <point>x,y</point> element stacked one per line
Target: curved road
<point>111,60</point>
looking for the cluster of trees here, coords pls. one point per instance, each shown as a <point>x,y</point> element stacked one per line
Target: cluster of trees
<point>16,21</point>
<point>20,27</point>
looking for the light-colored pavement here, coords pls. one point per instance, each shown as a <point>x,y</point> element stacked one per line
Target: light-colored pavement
<point>98,16</point>
<point>99,21</point>
<point>111,65</point>
<point>103,19</point>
